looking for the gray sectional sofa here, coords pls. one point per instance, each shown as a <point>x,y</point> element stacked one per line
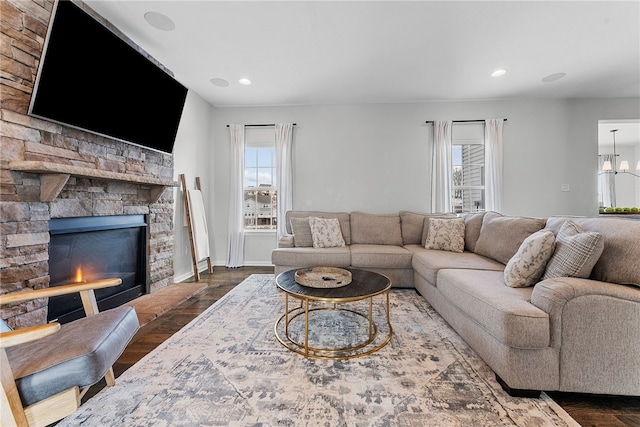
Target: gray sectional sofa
<point>561,333</point>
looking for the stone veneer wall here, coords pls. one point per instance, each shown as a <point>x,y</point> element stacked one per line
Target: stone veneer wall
<point>24,229</point>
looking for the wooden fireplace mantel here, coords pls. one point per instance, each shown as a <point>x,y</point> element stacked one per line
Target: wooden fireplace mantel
<point>54,176</point>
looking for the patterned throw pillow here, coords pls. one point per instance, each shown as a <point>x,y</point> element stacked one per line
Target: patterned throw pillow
<point>576,253</point>
<point>326,232</point>
<point>527,266</point>
<point>445,234</point>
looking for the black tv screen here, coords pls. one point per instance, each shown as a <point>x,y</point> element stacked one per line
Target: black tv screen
<point>91,79</point>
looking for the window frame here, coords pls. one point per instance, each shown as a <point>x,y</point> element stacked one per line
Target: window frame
<point>257,141</point>
<point>478,140</point>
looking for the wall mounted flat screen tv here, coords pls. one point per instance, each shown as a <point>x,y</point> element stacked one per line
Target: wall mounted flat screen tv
<point>92,80</point>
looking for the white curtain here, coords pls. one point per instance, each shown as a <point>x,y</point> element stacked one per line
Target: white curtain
<point>441,172</point>
<point>493,164</point>
<point>235,256</point>
<point>607,181</point>
<point>284,172</point>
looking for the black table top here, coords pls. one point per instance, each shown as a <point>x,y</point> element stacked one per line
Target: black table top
<point>363,284</point>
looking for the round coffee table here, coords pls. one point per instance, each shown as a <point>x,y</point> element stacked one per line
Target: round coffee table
<point>364,285</point>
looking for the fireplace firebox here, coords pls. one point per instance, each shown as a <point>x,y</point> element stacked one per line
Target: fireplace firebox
<point>93,248</point>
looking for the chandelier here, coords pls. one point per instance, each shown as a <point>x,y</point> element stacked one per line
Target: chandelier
<point>608,167</point>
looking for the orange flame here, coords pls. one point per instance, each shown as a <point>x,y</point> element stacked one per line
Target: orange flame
<point>79,278</point>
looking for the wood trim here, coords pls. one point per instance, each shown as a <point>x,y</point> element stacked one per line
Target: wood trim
<point>11,412</point>
<point>57,290</point>
<point>24,335</point>
<point>55,176</point>
<point>209,266</point>
<point>89,302</point>
<point>187,213</point>
<point>51,185</point>
<point>54,408</point>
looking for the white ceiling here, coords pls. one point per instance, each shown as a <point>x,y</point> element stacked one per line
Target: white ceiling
<point>336,52</point>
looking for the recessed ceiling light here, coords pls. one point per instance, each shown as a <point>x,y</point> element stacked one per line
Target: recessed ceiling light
<point>245,82</point>
<point>219,82</point>
<point>499,72</point>
<point>159,21</point>
<point>553,77</point>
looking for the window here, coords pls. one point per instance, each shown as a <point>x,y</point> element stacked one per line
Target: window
<point>260,193</point>
<point>467,146</point>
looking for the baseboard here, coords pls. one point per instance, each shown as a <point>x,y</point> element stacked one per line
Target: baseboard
<point>246,264</point>
<point>218,264</point>
<point>202,266</point>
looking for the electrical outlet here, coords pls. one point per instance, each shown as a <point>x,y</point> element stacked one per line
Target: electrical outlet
<point>564,187</point>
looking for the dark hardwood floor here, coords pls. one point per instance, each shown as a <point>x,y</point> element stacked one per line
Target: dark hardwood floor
<point>588,410</point>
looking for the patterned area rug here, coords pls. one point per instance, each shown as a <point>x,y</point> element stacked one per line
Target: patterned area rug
<point>227,368</point>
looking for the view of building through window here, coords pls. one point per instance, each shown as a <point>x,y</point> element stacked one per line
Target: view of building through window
<point>260,194</point>
<point>468,168</point>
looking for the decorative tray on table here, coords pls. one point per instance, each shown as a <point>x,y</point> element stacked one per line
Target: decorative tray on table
<point>323,277</point>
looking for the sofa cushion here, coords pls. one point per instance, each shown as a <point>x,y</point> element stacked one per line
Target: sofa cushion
<point>505,313</point>
<point>376,229</point>
<point>60,361</point>
<point>427,262</point>
<point>380,256</point>
<point>472,226</point>
<point>326,232</point>
<point>501,236</point>
<point>301,230</point>
<point>411,225</point>
<point>311,257</point>
<point>343,218</point>
<point>528,264</point>
<point>619,260</point>
<point>576,252</point>
<point>445,234</point>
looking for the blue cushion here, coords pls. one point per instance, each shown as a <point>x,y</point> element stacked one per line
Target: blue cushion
<point>4,327</point>
<point>79,354</point>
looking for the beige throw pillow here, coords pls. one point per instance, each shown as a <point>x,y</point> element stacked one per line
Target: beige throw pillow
<point>527,266</point>
<point>472,226</point>
<point>301,232</point>
<point>326,232</point>
<point>501,236</point>
<point>412,225</point>
<point>576,252</point>
<point>445,234</point>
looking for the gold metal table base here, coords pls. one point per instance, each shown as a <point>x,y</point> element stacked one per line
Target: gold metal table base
<point>363,348</point>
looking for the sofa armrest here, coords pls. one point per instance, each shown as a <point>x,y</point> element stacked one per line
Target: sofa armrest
<point>555,295</point>
<point>594,328</point>
<point>286,241</point>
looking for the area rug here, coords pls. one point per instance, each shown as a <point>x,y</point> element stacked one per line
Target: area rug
<point>226,368</point>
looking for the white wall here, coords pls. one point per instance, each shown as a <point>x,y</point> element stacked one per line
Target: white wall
<point>374,157</point>
<point>193,156</point>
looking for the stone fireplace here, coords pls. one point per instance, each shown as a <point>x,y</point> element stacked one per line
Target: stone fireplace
<point>50,171</point>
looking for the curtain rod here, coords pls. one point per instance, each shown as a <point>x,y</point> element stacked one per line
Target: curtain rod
<point>262,125</point>
<point>462,121</point>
